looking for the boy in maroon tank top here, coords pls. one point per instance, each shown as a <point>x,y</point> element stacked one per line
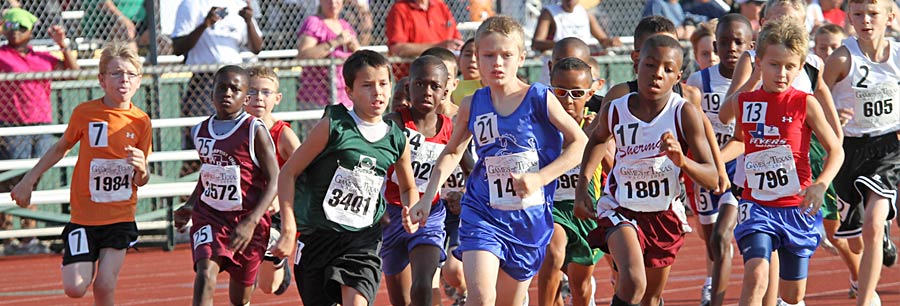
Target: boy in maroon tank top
<point>264,95</point>
<point>229,207</point>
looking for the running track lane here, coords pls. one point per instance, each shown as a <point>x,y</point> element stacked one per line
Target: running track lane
<point>155,277</point>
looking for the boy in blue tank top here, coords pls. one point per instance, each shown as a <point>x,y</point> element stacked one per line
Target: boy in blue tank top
<point>524,140</point>
<point>334,181</point>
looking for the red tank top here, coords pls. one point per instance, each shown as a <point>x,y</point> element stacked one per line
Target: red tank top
<point>423,152</point>
<point>276,130</point>
<point>231,179</point>
<point>776,146</point>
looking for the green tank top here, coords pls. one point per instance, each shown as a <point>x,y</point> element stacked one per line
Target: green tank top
<point>340,191</point>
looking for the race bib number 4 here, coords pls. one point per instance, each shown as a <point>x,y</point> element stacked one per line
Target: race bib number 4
<point>500,183</point>
<point>772,173</point>
<point>876,106</point>
<point>352,197</point>
<point>110,180</point>
<point>565,185</point>
<point>647,185</point>
<point>423,155</point>
<point>221,187</point>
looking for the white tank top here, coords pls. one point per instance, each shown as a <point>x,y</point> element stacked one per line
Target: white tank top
<point>714,86</point>
<point>871,90</point>
<point>643,179</point>
<point>574,24</point>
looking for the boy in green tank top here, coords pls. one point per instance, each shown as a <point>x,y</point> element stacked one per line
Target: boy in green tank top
<point>333,182</point>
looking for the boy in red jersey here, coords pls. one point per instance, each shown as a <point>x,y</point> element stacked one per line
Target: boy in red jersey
<point>780,203</point>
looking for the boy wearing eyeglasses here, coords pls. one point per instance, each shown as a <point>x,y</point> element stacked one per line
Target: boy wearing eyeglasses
<point>264,95</point>
<point>571,82</point>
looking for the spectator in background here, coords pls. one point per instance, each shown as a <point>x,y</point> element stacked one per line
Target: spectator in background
<point>568,19</point>
<point>325,35</point>
<point>814,17</point>
<point>413,26</point>
<point>26,102</point>
<point>480,10</point>
<point>49,12</point>
<point>212,32</point>
<point>710,9</point>
<point>114,20</point>
<point>672,10</point>
<point>751,9</point>
<point>360,17</point>
<point>831,11</point>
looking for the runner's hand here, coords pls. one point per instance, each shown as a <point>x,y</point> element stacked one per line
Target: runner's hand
<point>526,184</point>
<point>284,246</point>
<point>813,197</point>
<point>670,146</point>
<point>182,216</point>
<point>241,235</point>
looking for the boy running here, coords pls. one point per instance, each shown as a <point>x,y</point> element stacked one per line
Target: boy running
<point>863,78</point>
<point>229,207</point>
<point>636,217</point>
<point>411,259</point>
<point>780,202</point>
<point>524,141</point>
<point>115,140</point>
<point>333,182</point>
<point>568,249</point>
<point>264,95</point>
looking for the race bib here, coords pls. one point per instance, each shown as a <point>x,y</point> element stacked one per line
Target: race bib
<point>221,187</point>
<point>352,197</point>
<point>712,101</point>
<point>723,131</point>
<point>423,155</point>
<point>565,185</point>
<point>486,130</point>
<point>647,185</point>
<point>456,182</point>
<point>500,182</point>
<point>876,106</point>
<point>771,173</point>
<point>203,236</point>
<point>110,180</point>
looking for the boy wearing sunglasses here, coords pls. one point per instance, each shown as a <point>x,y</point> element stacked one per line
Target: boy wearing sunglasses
<point>571,82</point>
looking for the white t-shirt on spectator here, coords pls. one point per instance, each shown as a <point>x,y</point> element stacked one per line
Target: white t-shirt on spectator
<point>221,43</point>
<point>575,24</point>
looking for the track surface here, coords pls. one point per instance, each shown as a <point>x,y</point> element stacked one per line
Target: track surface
<point>155,277</point>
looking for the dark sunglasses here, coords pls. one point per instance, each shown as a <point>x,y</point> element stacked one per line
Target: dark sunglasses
<point>9,26</point>
<point>576,93</point>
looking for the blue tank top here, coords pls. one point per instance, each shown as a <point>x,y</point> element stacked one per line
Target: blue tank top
<point>523,141</point>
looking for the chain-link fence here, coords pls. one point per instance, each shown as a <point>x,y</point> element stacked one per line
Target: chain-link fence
<point>150,24</point>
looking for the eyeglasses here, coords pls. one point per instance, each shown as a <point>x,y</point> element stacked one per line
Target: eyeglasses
<point>265,93</point>
<point>123,74</point>
<point>576,93</point>
<point>10,26</point>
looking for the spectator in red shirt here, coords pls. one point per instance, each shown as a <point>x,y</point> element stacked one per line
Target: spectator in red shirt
<point>413,26</point>
<point>831,10</point>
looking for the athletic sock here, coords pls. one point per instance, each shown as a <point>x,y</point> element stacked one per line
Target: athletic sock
<point>708,281</point>
<point>801,303</point>
<point>616,301</point>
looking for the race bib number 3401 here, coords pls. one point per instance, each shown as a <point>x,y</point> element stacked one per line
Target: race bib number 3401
<point>352,197</point>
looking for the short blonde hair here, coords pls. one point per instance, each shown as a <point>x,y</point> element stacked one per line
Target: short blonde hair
<point>887,4</point>
<point>264,72</point>
<point>122,51</point>
<point>786,32</point>
<point>503,25</point>
<point>799,5</point>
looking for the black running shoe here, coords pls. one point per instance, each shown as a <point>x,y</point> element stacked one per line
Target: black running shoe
<point>890,250</point>
<point>286,283</point>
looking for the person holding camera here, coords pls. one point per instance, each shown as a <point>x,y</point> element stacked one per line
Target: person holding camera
<point>213,32</point>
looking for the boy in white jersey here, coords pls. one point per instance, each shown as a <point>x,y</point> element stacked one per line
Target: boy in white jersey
<point>636,218</point>
<point>863,74</point>
<point>734,35</point>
